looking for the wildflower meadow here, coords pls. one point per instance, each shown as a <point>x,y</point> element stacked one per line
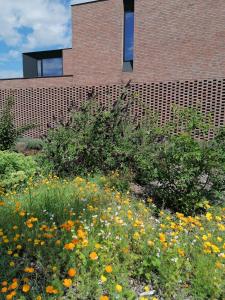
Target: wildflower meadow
<point>108,207</point>
<point>80,239</point>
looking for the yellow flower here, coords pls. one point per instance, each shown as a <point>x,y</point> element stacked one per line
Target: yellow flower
<point>119,288</point>
<point>93,256</point>
<point>26,288</point>
<point>221,227</point>
<point>103,279</point>
<point>108,269</point>
<point>97,246</point>
<point>208,216</point>
<point>180,252</point>
<point>81,234</point>
<point>12,264</point>
<point>39,298</point>
<point>215,249</point>
<point>69,246</point>
<point>218,265</point>
<point>72,272</point>
<point>150,243</point>
<point>67,282</point>
<point>204,237</point>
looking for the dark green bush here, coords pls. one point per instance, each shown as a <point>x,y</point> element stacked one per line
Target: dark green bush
<point>183,173</point>
<point>94,139</point>
<point>8,131</point>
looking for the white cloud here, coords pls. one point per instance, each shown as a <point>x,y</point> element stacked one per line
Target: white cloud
<point>12,54</point>
<point>45,23</point>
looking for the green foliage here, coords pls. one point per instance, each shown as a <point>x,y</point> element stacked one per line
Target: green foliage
<point>27,144</point>
<point>94,139</point>
<point>8,131</point>
<point>179,168</point>
<point>183,173</point>
<point>15,169</point>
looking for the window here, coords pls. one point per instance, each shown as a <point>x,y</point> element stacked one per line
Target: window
<point>50,67</point>
<point>128,55</point>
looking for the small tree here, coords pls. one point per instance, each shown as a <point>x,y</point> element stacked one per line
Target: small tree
<point>8,131</point>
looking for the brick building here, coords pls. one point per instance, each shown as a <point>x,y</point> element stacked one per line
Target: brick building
<point>173,51</point>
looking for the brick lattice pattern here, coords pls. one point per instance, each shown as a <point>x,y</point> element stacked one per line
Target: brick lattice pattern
<point>40,105</point>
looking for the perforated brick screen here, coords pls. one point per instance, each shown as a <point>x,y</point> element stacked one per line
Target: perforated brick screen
<point>39,105</point>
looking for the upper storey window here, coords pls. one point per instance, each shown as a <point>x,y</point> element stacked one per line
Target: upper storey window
<point>50,67</point>
<point>43,64</point>
<point>128,55</point>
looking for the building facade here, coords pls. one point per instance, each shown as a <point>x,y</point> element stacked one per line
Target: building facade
<point>173,51</point>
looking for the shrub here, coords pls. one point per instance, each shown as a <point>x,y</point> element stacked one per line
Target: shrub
<point>94,139</point>
<point>15,169</point>
<point>8,131</point>
<point>184,173</point>
<point>181,171</point>
<point>178,169</point>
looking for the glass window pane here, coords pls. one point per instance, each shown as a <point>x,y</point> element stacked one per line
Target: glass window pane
<point>52,67</point>
<point>39,68</point>
<point>129,36</point>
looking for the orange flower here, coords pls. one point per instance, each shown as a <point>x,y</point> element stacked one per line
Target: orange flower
<point>108,269</point>
<point>13,286</point>
<point>29,270</point>
<point>4,290</point>
<point>11,295</point>
<point>50,290</point>
<point>103,297</point>
<point>67,282</point>
<point>71,272</point>
<point>26,288</point>
<point>69,246</point>
<point>162,237</point>
<point>93,256</point>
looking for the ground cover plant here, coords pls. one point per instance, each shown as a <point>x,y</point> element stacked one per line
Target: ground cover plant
<point>81,239</point>
<point>15,170</point>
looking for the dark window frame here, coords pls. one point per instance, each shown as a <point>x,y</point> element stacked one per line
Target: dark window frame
<point>128,8</point>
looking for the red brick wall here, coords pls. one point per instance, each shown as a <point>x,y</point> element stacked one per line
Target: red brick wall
<point>174,39</point>
<point>38,103</point>
<point>67,61</point>
<point>179,58</point>
<point>97,42</point>
<point>177,39</point>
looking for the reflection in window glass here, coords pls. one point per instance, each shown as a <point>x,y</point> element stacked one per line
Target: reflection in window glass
<point>129,36</point>
<point>39,68</point>
<point>52,66</point>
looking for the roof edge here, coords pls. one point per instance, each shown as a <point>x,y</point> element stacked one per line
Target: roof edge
<point>81,2</point>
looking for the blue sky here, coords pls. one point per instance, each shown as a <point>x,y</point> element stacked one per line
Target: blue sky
<point>31,25</point>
